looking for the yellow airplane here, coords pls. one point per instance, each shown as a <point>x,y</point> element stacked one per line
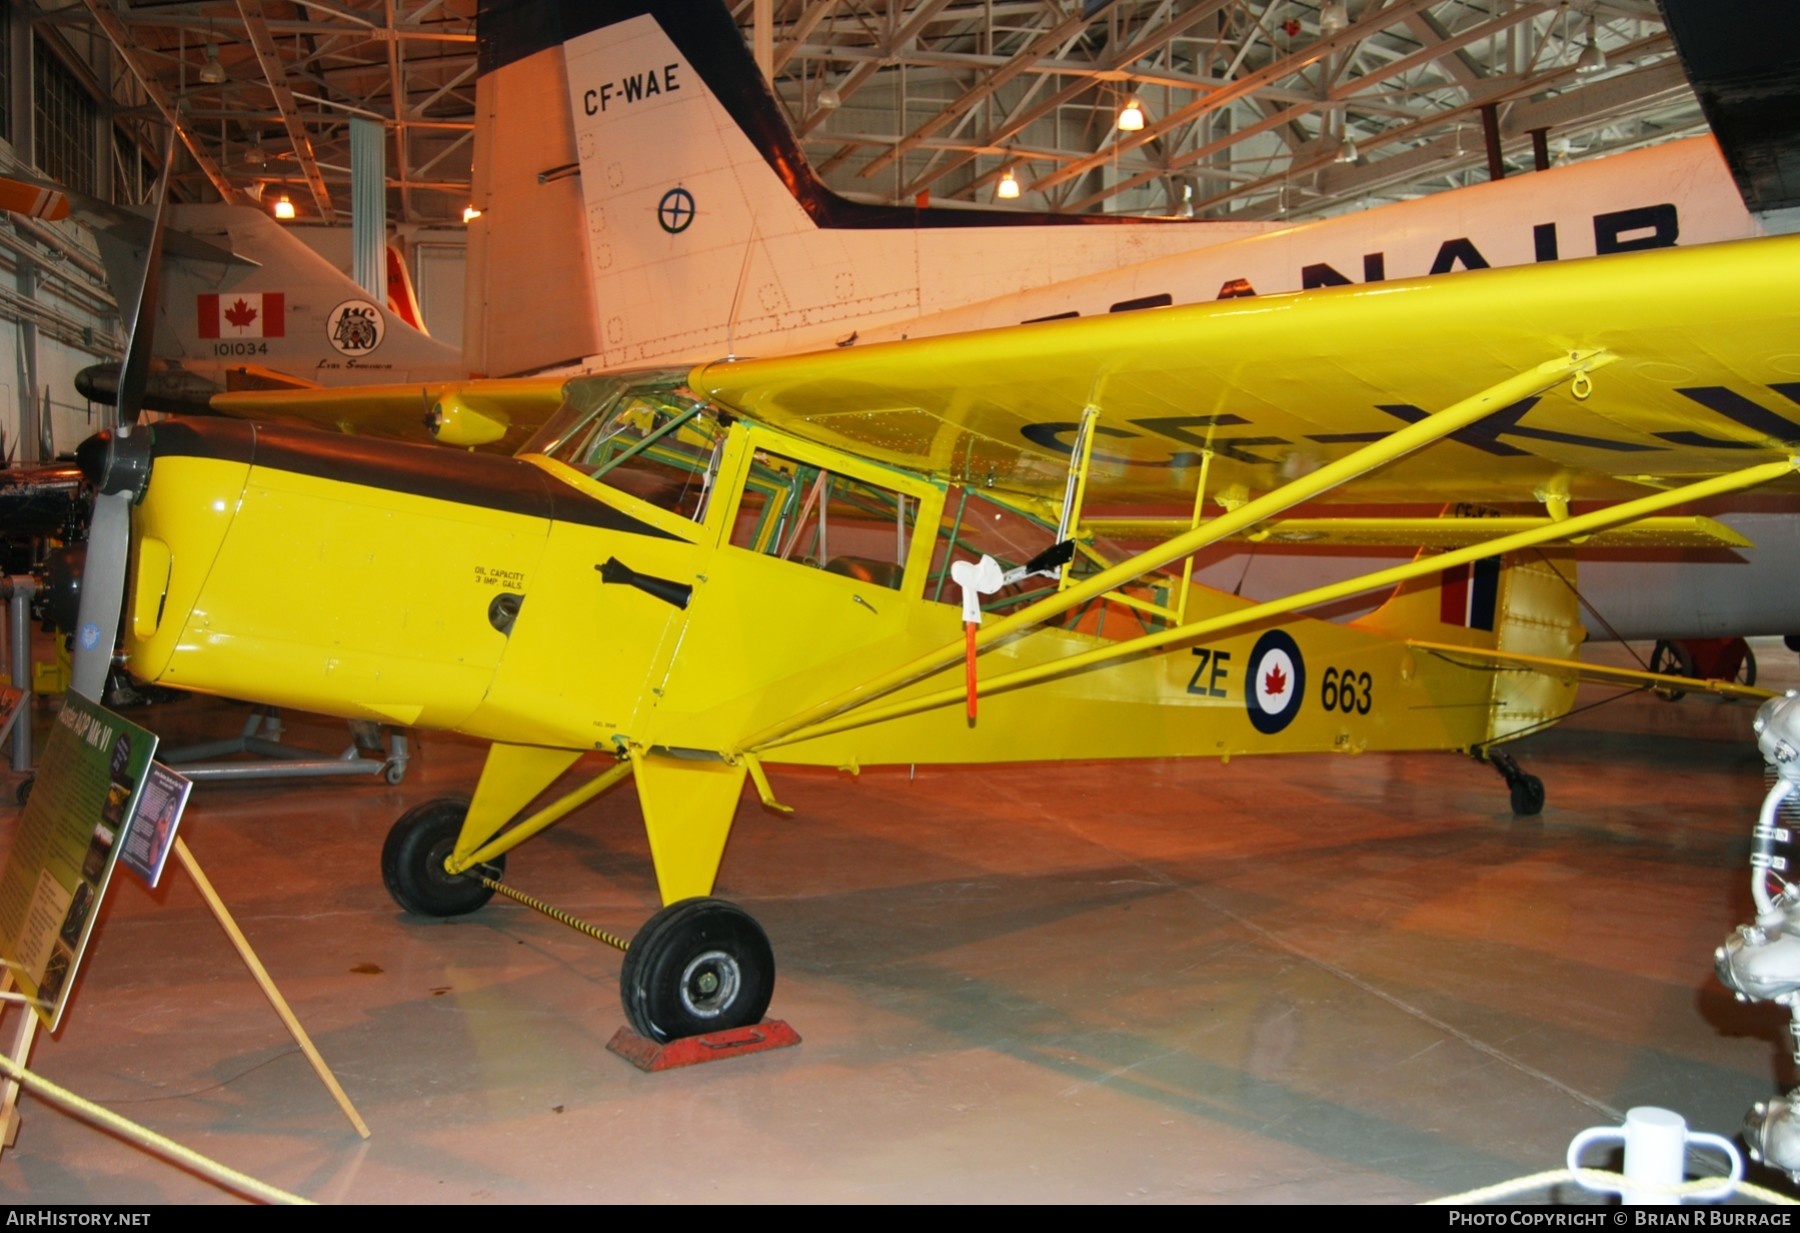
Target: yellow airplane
<point>910,552</point>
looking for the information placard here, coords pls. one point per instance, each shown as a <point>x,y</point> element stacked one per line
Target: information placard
<point>150,834</point>
<point>88,783</point>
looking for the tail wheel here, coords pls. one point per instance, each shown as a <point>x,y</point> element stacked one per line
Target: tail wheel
<point>412,862</point>
<point>1527,793</point>
<point>701,965</point>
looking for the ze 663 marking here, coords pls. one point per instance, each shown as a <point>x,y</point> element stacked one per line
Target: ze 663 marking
<point>1219,663</point>
<point>1348,691</point>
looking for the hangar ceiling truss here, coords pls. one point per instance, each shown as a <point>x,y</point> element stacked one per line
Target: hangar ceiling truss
<point>1253,108</point>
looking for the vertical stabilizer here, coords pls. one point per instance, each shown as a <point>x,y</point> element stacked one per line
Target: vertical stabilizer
<point>688,184</point>
<point>1524,603</point>
<point>278,307</point>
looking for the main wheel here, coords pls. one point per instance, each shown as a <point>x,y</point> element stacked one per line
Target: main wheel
<point>701,965</point>
<point>1671,659</point>
<point>412,861</point>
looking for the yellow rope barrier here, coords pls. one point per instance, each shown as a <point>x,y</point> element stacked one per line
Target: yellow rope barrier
<point>1604,1179</point>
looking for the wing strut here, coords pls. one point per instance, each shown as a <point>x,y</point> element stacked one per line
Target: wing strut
<point>1396,444</point>
<point>1068,528</point>
<point>1583,524</point>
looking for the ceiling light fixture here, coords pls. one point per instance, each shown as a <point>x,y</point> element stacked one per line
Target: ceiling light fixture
<point>829,99</point>
<point>254,153</point>
<point>284,208</point>
<point>1334,15</point>
<point>1131,116</point>
<point>1346,150</point>
<point>1591,59</point>
<point>211,71</point>
<point>1008,188</point>
<point>470,214</point>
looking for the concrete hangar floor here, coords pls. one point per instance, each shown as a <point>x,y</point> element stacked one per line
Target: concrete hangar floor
<point>1322,979</point>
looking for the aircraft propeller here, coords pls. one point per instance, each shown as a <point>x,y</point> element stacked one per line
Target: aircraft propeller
<point>117,464</point>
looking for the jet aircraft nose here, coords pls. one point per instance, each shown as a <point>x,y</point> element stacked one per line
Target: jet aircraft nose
<point>117,461</point>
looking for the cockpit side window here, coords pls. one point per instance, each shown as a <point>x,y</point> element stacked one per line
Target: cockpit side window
<point>826,520</point>
<point>654,441</point>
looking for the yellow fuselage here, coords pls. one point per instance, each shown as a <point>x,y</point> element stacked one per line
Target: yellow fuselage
<point>372,580</point>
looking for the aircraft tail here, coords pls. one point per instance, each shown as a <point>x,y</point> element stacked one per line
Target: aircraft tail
<point>703,229</point>
<point>1523,603</point>
<point>238,291</point>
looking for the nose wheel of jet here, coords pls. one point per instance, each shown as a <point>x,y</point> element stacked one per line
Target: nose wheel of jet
<point>412,862</point>
<point>697,966</point>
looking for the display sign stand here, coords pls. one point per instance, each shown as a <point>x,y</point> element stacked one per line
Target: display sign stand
<point>24,1036</point>
<point>18,1053</point>
<point>25,1031</point>
<point>267,985</point>
<point>101,799</point>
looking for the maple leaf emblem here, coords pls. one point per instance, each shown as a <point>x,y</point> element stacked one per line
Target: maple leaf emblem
<point>240,314</point>
<point>1275,681</point>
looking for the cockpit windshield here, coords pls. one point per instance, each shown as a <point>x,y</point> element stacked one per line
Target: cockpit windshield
<point>646,435</point>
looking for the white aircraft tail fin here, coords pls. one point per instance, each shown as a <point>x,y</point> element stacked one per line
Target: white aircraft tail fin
<point>238,291</point>
<point>680,173</point>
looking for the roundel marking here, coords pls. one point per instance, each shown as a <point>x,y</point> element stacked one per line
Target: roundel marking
<point>675,212</point>
<point>1275,682</point>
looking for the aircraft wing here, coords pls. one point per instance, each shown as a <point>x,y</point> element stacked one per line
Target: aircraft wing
<point>498,414</point>
<point>1689,367</point>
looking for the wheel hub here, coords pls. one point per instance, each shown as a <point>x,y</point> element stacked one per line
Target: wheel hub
<point>709,984</point>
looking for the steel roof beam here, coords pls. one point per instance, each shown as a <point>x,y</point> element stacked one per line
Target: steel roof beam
<point>275,76</point>
<point>127,50</point>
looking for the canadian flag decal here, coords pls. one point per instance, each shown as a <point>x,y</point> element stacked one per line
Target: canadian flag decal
<point>243,315</point>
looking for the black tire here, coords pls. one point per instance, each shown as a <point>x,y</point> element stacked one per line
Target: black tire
<point>412,862</point>
<point>1527,796</point>
<point>394,772</point>
<point>1671,659</point>
<point>22,793</point>
<point>1746,673</point>
<point>701,965</point>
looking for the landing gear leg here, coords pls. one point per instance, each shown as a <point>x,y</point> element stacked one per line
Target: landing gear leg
<point>1527,790</point>
<point>698,966</point>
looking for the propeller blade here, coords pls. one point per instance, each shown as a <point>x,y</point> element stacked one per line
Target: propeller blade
<point>134,377</point>
<point>109,531</point>
<point>102,593</point>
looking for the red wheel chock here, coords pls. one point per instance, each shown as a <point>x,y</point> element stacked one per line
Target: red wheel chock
<point>648,1055</point>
